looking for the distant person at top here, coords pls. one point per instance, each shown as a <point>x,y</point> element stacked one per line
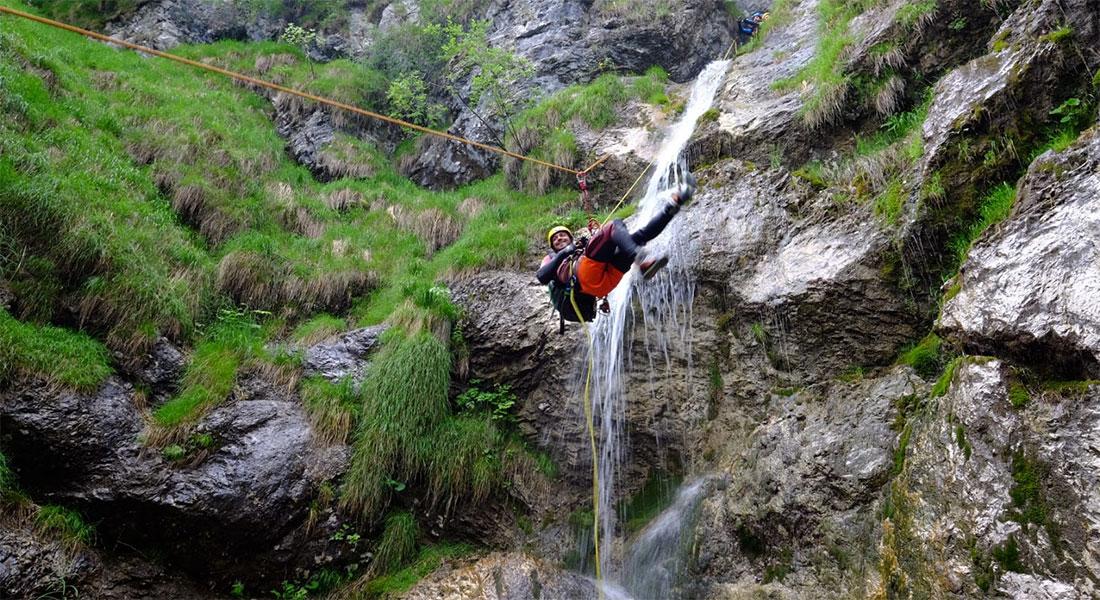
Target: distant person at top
<point>747,27</point>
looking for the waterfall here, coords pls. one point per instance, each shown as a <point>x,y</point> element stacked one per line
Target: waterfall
<point>665,303</point>
<point>654,560</point>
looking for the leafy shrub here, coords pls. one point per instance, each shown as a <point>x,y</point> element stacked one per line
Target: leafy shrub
<point>497,402</point>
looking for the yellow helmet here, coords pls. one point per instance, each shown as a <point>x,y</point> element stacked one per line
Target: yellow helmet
<point>558,229</point>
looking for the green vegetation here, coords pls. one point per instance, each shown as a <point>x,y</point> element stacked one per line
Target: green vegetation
<point>233,342</point>
<point>1018,395</point>
<point>64,524</point>
<point>86,13</point>
<point>994,208</point>
<point>399,542</point>
<point>926,357</point>
<point>1027,493</point>
<point>71,359</point>
<point>778,571</point>
<point>545,130</point>
<point>497,402</point>
<point>961,441</point>
<point>1058,35</point>
<point>654,496</point>
<point>1007,556</point>
<point>944,382</point>
<point>395,583</point>
<point>1070,388</point>
<point>333,408</point>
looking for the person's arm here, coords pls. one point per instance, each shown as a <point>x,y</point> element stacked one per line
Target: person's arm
<point>549,269</point>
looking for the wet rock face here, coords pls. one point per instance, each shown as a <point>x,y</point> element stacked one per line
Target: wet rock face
<point>756,121</point>
<point>501,576</point>
<point>806,468</point>
<point>512,332</point>
<point>251,490</point>
<point>1030,288</point>
<point>345,356</point>
<point>982,476</point>
<point>1018,83</point>
<point>33,565</point>
<point>812,289</point>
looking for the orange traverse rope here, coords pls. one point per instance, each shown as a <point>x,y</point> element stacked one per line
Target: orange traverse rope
<point>294,92</point>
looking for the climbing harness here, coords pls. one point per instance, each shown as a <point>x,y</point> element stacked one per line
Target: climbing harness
<point>273,86</point>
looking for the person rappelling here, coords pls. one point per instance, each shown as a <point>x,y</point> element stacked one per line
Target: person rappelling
<point>581,271</point>
<point>747,27</point>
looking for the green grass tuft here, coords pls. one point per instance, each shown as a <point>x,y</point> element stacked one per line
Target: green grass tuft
<point>65,524</point>
<point>944,382</point>
<point>925,357</point>
<point>995,207</point>
<point>399,542</point>
<point>333,408</point>
<point>71,359</point>
<point>1018,395</point>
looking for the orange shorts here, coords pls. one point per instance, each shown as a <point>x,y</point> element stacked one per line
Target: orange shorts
<point>597,278</point>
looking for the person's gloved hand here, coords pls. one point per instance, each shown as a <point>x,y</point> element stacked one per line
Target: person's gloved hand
<point>570,249</point>
<point>683,193</point>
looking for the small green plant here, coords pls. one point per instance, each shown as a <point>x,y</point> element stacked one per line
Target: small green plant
<point>301,38</point>
<point>1027,493</point>
<point>174,452</point>
<point>497,402</point>
<point>962,442</point>
<point>1018,395</point>
<point>399,542</point>
<point>958,24</point>
<point>925,357</point>
<point>944,382</point>
<point>1058,35</point>
<point>1007,555</point>
<point>66,524</point>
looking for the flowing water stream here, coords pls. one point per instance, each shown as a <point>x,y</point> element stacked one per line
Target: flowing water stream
<point>665,304</point>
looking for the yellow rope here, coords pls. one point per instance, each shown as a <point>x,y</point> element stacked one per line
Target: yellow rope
<point>591,441</point>
<point>628,192</point>
<point>294,92</point>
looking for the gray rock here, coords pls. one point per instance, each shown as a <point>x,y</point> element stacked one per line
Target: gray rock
<point>1015,85</point>
<point>165,24</point>
<point>343,357</point>
<point>1030,287</point>
<point>32,565</point>
<point>959,482</point>
<point>810,470</point>
<point>517,342</point>
<point>160,369</point>
<point>307,128</point>
<point>399,13</point>
<point>251,490</point>
<point>755,120</point>
<point>815,286</point>
<point>501,576</point>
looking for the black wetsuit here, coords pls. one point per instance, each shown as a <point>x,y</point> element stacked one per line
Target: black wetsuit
<point>746,28</point>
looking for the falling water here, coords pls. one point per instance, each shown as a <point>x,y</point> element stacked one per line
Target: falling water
<point>653,563</point>
<point>665,303</point>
